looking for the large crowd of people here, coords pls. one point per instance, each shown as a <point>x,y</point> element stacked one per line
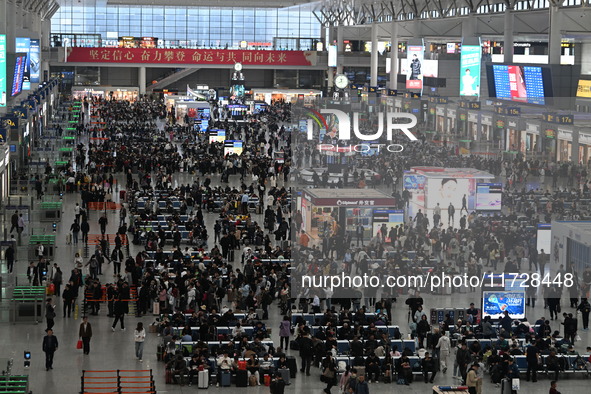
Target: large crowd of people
<point>210,234</point>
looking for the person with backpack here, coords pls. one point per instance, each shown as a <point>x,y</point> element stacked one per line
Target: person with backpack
<point>329,373</point>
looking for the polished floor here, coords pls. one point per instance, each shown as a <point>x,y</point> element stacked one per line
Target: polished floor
<point>115,350</point>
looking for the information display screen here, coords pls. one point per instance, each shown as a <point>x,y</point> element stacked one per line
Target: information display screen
<point>385,219</point>
<point>544,237</point>
<point>203,113</point>
<point>233,147</point>
<point>495,303</point>
<point>217,135</point>
<point>23,45</point>
<point>3,83</point>
<point>519,83</point>
<point>19,70</point>
<point>489,196</point>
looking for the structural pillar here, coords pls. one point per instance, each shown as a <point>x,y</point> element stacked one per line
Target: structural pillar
<point>555,38</point>
<point>340,48</point>
<point>508,39</point>
<point>394,55</point>
<point>142,79</point>
<point>374,55</point>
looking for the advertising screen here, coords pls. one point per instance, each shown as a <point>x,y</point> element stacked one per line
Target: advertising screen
<point>233,147</point>
<point>519,83</point>
<point>447,190</point>
<point>237,110</point>
<point>385,219</point>
<point>414,75</point>
<point>584,88</point>
<point>489,196</point>
<point>544,237</point>
<point>217,135</point>
<point>23,45</point>
<point>34,61</point>
<point>429,68</point>
<point>332,56</point>
<point>19,69</point>
<point>470,70</point>
<point>495,303</point>
<point>3,83</point>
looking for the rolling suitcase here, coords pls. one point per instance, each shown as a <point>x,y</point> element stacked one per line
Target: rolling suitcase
<point>506,386</point>
<point>267,380</point>
<point>122,195</point>
<point>285,374</point>
<point>293,367</point>
<point>241,378</point>
<point>156,308</point>
<point>160,352</point>
<point>168,376</point>
<point>231,255</point>
<point>203,380</point>
<point>225,379</point>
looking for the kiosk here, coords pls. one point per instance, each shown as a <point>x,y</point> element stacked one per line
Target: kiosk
<point>325,211</point>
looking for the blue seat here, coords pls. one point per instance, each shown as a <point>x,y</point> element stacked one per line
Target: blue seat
<point>409,343</point>
<point>343,347</point>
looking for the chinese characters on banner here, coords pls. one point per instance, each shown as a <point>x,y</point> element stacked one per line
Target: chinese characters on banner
<point>191,56</point>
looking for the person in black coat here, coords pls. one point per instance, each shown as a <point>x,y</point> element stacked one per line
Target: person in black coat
<point>50,345</point>
<point>120,309</point>
<point>428,364</point>
<point>306,346</point>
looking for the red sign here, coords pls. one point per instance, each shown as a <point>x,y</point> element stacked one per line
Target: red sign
<point>354,202</point>
<point>414,84</point>
<point>191,56</point>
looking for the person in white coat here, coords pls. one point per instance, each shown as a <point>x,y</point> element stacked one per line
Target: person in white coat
<point>139,336</point>
<point>444,346</point>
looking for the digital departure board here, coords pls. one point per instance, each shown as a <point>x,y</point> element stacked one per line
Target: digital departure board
<point>525,84</point>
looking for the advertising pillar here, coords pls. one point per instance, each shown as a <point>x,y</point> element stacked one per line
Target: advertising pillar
<point>470,55</point>
<point>415,54</point>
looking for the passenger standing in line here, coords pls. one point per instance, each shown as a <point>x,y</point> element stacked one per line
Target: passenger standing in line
<point>120,310</point>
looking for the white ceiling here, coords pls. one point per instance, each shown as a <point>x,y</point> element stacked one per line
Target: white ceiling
<point>213,3</point>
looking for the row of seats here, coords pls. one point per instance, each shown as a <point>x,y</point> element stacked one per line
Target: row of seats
<point>248,330</point>
<point>212,346</point>
<point>392,331</point>
<point>312,319</point>
<point>567,367</point>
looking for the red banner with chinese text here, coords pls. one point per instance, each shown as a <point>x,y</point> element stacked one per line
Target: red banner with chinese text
<point>191,56</point>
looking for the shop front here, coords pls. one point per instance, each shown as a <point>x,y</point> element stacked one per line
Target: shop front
<point>269,96</point>
<point>451,122</point>
<point>584,146</point>
<point>462,122</point>
<point>329,212</point>
<point>564,144</point>
<point>512,135</point>
<point>530,139</point>
<point>106,93</point>
<point>486,127</point>
<point>440,125</point>
<point>474,126</point>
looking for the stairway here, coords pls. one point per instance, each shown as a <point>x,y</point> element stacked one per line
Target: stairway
<point>167,80</point>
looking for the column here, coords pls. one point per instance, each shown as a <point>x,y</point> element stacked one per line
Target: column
<point>555,36</point>
<point>142,79</point>
<point>374,55</point>
<point>340,48</point>
<point>394,55</point>
<point>508,37</point>
<point>469,26</point>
